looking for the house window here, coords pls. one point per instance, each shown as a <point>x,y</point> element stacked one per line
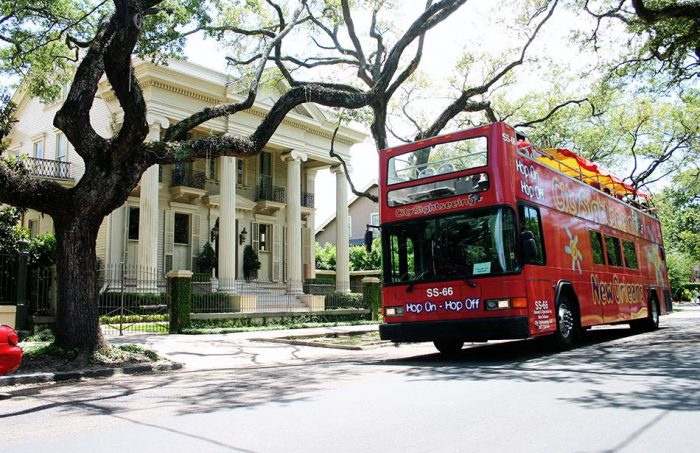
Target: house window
<point>265,241</point>
<point>182,228</point>
<point>133,223</point>
<point>61,147</point>
<point>349,227</point>
<point>38,150</point>
<point>374,219</point>
<point>33,228</point>
<point>212,169</point>
<point>241,173</point>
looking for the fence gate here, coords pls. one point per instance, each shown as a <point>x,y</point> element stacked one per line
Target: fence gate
<point>133,299</point>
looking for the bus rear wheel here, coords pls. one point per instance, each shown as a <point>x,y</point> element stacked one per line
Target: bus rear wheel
<point>651,322</point>
<point>567,325</point>
<point>448,346</point>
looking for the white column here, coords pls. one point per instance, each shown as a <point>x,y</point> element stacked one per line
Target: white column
<point>116,240</point>
<point>148,209</point>
<point>311,224</point>
<point>342,240</point>
<point>227,226</point>
<point>294,257</point>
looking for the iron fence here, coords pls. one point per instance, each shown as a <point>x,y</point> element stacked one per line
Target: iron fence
<point>133,299</point>
<point>41,291</point>
<point>269,192</point>
<point>189,178</point>
<point>8,279</point>
<point>258,297</point>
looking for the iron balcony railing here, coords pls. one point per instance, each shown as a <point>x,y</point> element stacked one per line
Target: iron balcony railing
<point>269,192</point>
<point>45,168</point>
<point>189,178</point>
<point>307,199</point>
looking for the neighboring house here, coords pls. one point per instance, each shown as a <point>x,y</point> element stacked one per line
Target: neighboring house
<point>176,209</point>
<point>362,211</point>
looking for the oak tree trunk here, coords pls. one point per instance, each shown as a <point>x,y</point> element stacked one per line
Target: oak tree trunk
<point>77,317</point>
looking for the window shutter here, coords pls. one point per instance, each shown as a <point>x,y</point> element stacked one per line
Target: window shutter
<point>125,233</point>
<point>255,240</point>
<point>276,253</point>
<point>169,235</point>
<point>306,240</point>
<point>195,247</point>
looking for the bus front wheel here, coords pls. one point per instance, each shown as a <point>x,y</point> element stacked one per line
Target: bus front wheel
<point>448,346</point>
<point>567,325</point>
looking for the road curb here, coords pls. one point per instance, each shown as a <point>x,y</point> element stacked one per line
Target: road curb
<point>63,376</point>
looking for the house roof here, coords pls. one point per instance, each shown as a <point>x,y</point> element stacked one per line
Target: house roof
<point>368,186</point>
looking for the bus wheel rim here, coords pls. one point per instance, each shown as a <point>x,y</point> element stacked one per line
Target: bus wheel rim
<point>566,321</point>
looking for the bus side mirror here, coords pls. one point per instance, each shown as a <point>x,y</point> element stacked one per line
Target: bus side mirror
<point>369,237</point>
<point>527,245</point>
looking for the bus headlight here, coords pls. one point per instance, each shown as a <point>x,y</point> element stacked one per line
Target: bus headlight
<point>393,311</point>
<point>497,304</point>
<point>504,304</point>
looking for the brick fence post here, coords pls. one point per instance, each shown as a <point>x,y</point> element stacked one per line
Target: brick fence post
<point>373,293</point>
<point>180,292</point>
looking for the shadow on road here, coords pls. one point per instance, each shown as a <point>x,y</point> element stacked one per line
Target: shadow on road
<point>662,367</point>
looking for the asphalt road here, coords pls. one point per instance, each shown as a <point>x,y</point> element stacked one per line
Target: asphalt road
<point>616,392</point>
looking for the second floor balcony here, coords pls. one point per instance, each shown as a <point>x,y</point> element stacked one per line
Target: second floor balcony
<point>46,168</point>
<point>187,184</point>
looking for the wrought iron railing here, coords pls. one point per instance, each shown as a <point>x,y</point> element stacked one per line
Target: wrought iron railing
<point>307,199</point>
<point>46,168</point>
<point>269,192</point>
<point>189,178</point>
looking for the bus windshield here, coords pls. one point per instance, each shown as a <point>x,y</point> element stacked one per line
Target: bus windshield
<point>474,243</point>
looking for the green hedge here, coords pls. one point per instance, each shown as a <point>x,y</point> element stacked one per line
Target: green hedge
<point>133,319</point>
<point>211,302</point>
<point>345,300</point>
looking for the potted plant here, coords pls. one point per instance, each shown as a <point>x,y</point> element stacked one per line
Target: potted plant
<point>251,264</point>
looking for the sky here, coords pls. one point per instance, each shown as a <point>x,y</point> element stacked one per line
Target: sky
<point>465,29</point>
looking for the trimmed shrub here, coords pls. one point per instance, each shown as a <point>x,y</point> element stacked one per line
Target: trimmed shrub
<point>345,300</point>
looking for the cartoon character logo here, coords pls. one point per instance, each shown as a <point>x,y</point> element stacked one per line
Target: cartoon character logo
<point>573,251</point>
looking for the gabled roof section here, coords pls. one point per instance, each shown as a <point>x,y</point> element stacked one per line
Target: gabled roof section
<point>368,186</point>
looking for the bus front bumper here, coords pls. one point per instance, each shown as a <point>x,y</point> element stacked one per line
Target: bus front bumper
<point>482,329</point>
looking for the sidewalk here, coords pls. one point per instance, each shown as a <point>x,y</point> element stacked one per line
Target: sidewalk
<point>198,352</point>
<point>249,350</point>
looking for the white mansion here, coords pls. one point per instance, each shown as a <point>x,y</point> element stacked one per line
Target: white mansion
<point>266,201</point>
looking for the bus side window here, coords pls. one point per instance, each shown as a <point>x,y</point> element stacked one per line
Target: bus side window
<point>614,254</point>
<point>530,220</point>
<point>630,254</point>
<point>596,247</point>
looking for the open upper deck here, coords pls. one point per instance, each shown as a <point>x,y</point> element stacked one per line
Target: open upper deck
<point>478,167</point>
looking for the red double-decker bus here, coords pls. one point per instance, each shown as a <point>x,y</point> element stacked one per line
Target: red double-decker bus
<point>486,237</point>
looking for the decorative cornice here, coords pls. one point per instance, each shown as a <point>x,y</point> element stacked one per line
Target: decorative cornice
<point>255,111</point>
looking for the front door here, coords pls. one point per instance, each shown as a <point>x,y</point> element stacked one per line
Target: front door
<point>182,251</point>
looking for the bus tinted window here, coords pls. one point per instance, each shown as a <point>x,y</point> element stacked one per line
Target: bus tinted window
<point>438,159</point>
<point>530,221</point>
<point>441,189</point>
<point>612,247</point>
<point>630,254</point>
<point>467,244</point>
<point>596,247</point>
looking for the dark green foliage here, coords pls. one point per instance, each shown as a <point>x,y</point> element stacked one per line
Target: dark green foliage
<point>180,290</point>
<point>115,319</point>
<point>206,259</point>
<point>251,264</point>
<point>325,257</point>
<point>132,300</point>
